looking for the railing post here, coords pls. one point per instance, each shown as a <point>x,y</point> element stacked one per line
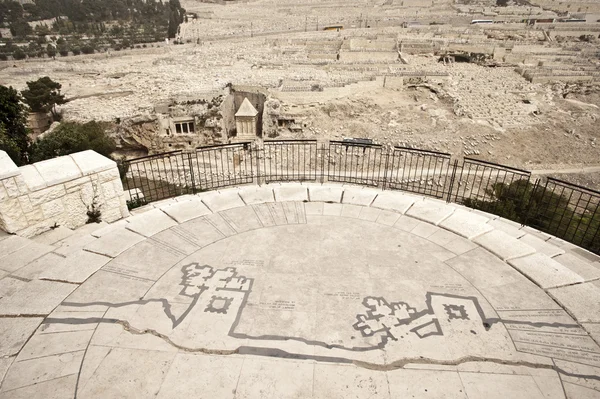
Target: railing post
<point>260,179</point>
<point>452,180</point>
<point>385,170</point>
<point>323,155</point>
<point>192,176</point>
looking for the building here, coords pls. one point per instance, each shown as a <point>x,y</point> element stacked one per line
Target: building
<point>246,121</point>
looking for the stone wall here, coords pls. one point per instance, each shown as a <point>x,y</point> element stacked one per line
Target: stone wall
<point>59,192</point>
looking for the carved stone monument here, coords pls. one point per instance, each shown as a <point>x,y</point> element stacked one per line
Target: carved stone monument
<point>246,121</point>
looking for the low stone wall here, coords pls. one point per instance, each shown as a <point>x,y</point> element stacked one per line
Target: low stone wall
<point>59,192</point>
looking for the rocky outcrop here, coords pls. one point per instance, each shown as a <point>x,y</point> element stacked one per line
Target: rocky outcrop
<point>136,136</point>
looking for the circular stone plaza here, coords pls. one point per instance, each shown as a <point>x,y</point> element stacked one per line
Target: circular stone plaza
<point>299,291</point>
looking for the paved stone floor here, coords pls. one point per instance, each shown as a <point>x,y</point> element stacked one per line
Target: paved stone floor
<point>299,291</point>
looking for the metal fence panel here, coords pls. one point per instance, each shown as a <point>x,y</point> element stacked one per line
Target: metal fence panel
<point>567,211</point>
<point>419,171</point>
<point>491,187</point>
<point>356,163</point>
<point>556,207</point>
<point>157,177</point>
<point>226,165</point>
<point>290,160</point>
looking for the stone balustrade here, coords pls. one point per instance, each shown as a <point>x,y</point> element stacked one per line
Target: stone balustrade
<point>59,192</point>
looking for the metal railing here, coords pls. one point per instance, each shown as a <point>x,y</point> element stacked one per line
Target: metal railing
<point>559,208</point>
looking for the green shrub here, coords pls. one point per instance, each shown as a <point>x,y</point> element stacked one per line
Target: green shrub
<point>542,209</point>
<point>19,54</point>
<point>72,137</point>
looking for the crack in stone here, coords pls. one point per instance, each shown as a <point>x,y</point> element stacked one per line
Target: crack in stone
<point>59,281</point>
<point>132,330</point>
<point>395,365</point>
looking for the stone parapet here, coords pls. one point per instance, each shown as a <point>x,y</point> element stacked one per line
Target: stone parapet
<point>59,192</point>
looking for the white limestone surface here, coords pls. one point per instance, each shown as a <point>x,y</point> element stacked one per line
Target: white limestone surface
<point>61,191</point>
<point>293,298</point>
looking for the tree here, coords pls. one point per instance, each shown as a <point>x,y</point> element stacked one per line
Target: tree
<point>50,50</point>
<point>20,28</point>
<point>43,95</point>
<point>87,48</point>
<point>71,137</point>
<point>10,146</point>
<point>19,54</point>
<point>13,118</point>
<point>176,14</point>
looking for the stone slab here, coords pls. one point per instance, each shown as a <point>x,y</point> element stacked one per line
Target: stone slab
<point>291,192</point>
<point>369,213</point>
<point>406,223</point>
<point>36,298</point>
<point>544,271</point>
<point>106,286</point>
<point>54,235</point>
<point>593,329</point>
<point>289,379</point>
<point>503,245</point>
<point>33,270</point>
<point>257,194</point>
<point>186,210</point>
<point>90,162</point>
<point>34,371</point>
<point>351,211</point>
<point>145,371</point>
<point>542,246</point>
<point>584,254</point>
<point>147,259</point>
<point>12,243</point>
<point>73,243</point>
<point>313,208</point>
<point>339,382</point>
<point>41,345</point>
<point>535,232</point>
<point>8,168</point>
<point>587,270</point>
<point>150,223</point>
<point>466,224</point>
<point>442,237</point>
<point>499,386</point>
<point>394,201</point>
<point>425,383</point>
<point>24,256</point>
<point>509,227</point>
<point>359,196</point>
<point>200,369</point>
<point>430,211</point>
<point>58,388</point>
<point>58,170</point>
<point>326,193</point>
<point>332,209</point>
<point>32,178</point>
<point>424,229</point>
<point>388,218</point>
<point>109,228</point>
<point>75,268</point>
<point>575,391</point>
<point>90,228</point>
<point>15,332</point>
<point>114,243</point>
<point>581,300</point>
<point>222,200</point>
